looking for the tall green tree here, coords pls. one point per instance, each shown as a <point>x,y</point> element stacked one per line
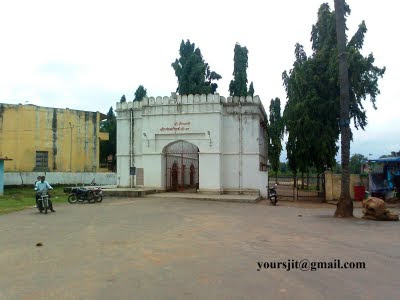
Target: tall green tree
<point>140,93</point>
<point>356,162</point>
<point>109,125</point>
<point>337,168</point>
<point>312,113</point>
<point>283,168</point>
<point>297,113</point>
<point>123,99</point>
<point>275,130</point>
<point>392,154</point>
<point>251,90</point>
<point>193,73</point>
<point>345,204</point>
<point>238,86</point>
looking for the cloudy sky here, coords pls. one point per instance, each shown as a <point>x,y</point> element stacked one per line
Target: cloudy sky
<point>86,54</point>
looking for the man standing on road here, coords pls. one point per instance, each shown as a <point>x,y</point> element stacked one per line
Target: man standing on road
<point>43,186</point>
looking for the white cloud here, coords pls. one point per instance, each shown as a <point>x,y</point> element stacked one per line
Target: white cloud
<point>86,54</point>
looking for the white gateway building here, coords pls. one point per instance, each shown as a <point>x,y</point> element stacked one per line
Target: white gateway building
<point>207,144</point>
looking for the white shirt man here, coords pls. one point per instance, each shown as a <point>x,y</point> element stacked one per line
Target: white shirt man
<point>42,186</point>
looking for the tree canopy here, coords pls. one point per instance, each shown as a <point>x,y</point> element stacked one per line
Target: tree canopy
<point>123,99</point>
<point>392,154</point>
<point>312,111</point>
<point>356,162</point>
<point>193,73</point>
<point>275,129</point>
<point>109,125</point>
<point>140,93</point>
<point>238,86</point>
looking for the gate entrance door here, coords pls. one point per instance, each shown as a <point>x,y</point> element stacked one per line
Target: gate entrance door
<point>174,177</point>
<point>302,189</point>
<point>182,167</point>
<point>192,174</point>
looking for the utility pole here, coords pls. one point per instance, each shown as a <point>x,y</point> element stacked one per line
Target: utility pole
<point>345,206</point>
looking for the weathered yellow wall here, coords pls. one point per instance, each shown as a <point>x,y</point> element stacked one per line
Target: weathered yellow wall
<point>333,185</point>
<point>25,129</point>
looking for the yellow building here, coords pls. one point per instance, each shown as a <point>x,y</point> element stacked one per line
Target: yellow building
<point>50,139</point>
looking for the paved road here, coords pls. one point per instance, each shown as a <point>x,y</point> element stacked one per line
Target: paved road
<point>182,249</point>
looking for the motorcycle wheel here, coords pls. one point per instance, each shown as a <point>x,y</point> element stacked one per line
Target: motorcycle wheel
<point>91,197</point>
<point>46,206</point>
<point>273,201</point>
<point>72,199</point>
<point>99,198</point>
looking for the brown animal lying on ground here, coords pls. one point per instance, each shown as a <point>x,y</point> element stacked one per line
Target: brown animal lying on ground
<point>375,209</point>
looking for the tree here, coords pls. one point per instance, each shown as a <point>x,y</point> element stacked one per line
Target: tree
<point>123,99</point>
<point>345,204</point>
<point>193,73</point>
<point>337,168</point>
<point>298,113</point>
<point>251,90</point>
<point>140,93</point>
<point>275,134</point>
<point>238,86</point>
<point>392,154</point>
<point>356,162</point>
<point>109,125</point>
<point>283,168</point>
<point>312,113</point>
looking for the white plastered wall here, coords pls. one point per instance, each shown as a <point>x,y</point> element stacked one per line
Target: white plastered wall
<point>214,129</point>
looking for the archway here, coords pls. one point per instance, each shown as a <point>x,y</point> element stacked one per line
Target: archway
<point>174,177</point>
<point>182,166</point>
<point>192,174</point>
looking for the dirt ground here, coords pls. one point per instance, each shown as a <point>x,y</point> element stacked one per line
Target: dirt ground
<point>150,248</point>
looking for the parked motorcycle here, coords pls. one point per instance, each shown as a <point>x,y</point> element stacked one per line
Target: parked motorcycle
<point>43,200</point>
<point>272,195</point>
<point>82,194</point>
<point>98,194</point>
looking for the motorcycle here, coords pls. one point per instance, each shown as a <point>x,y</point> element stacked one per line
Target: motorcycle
<point>98,194</point>
<point>272,195</point>
<point>43,200</point>
<point>82,194</point>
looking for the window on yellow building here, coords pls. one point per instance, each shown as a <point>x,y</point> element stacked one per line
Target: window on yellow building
<point>42,159</point>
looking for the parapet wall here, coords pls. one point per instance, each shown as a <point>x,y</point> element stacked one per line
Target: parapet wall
<point>186,99</point>
<point>54,178</point>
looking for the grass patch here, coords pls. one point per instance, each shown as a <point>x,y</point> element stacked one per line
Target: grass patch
<point>19,198</point>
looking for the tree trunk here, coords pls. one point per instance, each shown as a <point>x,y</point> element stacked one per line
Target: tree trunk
<point>276,177</point>
<point>318,189</point>
<point>295,180</point>
<point>345,205</point>
<point>302,180</point>
<point>308,180</point>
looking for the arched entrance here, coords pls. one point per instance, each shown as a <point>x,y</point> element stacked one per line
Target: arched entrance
<point>174,176</point>
<point>192,174</point>
<point>182,166</point>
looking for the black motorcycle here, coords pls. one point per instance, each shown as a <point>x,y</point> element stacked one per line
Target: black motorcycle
<point>43,201</point>
<point>272,195</point>
<point>80,195</point>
